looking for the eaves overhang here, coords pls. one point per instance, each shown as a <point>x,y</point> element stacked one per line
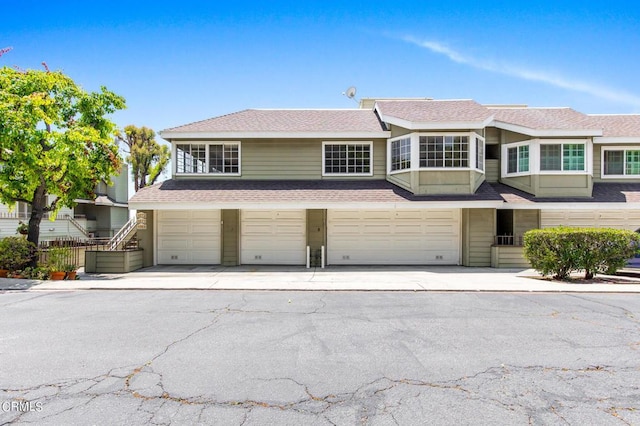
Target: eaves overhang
<point>616,140</point>
<point>435,125</point>
<point>583,205</point>
<point>170,136</point>
<point>540,133</point>
<point>293,205</point>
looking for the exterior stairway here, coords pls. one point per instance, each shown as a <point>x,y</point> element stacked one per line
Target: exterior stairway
<point>124,236</point>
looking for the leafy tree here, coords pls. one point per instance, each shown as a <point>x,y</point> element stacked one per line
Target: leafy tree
<point>54,140</point>
<point>147,158</point>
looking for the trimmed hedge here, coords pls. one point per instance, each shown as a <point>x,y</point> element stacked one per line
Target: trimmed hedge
<point>562,250</point>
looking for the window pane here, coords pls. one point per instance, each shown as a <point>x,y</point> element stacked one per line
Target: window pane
<point>523,158</point>
<point>633,163</point>
<point>573,157</point>
<point>401,154</point>
<point>512,160</point>
<point>190,158</point>
<point>216,159</point>
<point>550,156</point>
<point>479,154</point>
<point>448,151</point>
<point>231,163</point>
<point>347,158</point>
<point>614,162</point>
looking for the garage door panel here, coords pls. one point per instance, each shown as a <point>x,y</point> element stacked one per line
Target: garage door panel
<point>400,237</point>
<point>273,237</point>
<point>189,237</point>
<point>169,244</point>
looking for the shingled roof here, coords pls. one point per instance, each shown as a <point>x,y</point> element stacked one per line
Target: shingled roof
<point>546,119</point>
<point>221,193</point>
<point>433,111</point>
<point>291,191</point>
<point>603,192</point>
<point>286,121</point>
<point>622,125</point>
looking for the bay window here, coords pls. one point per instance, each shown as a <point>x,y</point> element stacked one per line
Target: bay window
<point>401,154</point>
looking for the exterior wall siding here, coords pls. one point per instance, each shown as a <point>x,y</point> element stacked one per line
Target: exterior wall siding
<point>478,234</point>
<point>448,182</point>
<point>508,257</point>
<point>619,219</point>
<point>230,237</point>
<point>525,220</point>
<point>552,185</point>
<point>146,238</point>
<point>492,170</point>
<point>113,262</point>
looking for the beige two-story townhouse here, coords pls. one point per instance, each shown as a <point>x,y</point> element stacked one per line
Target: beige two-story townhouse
<point>394,182</point>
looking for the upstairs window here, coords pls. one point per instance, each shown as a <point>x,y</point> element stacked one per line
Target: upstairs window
<point>208,158</point>
<point>444,151</point>
<point>401,154</point>
<point>518,159</point>
<point>562,157</point>
<point>479,154</point>
<point>347,158</point>
<point>620,162</point>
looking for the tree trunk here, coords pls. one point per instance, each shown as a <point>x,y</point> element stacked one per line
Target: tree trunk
<point>37,212</point>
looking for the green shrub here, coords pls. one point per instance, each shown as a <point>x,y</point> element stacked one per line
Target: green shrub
<point>561,250</point>
<point>16,253</point>
<point>58,258</point>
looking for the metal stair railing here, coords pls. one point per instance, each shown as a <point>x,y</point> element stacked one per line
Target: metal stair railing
<point>77,225</point>
<point>123,235</point>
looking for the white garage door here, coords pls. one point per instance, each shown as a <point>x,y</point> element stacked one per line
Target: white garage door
<point>189,237</point>
<point>276,237</point>
<point>620,219</point>
<point>393,237</point>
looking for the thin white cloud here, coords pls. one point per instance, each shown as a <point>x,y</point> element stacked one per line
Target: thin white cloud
<point>528,74</point>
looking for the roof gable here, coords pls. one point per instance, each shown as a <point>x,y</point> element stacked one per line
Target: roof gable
<point>434,114</point>
<point>545,121</point>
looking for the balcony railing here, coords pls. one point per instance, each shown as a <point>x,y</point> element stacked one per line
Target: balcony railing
<point>508,240</point>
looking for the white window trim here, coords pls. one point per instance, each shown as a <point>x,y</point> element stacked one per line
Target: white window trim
<point>368,143</point>
<point>505,158</point>
<point>412,154</point>
<point>617,148</point>
<point>588,156</point>
<point>415,152</point>
<point>475,137</point>
<point>471,154</point>
<point>174,148</point>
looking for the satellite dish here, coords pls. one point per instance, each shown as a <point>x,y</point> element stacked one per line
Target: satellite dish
<point>350,92</point>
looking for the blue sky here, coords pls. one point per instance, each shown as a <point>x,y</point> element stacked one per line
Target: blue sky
<point>178,62</point>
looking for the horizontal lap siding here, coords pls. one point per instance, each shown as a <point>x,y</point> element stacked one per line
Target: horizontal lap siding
<point>296,159</point>
<point>620,219</point>
<point>480,236</point>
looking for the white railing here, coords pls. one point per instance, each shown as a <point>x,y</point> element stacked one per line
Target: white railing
<point>122,235</point>
<point>77,224</point>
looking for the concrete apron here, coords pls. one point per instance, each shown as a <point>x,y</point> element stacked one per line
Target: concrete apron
<point>336,278</point>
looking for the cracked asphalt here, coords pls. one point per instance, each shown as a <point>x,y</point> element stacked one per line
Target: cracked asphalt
<point>318,358</point>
